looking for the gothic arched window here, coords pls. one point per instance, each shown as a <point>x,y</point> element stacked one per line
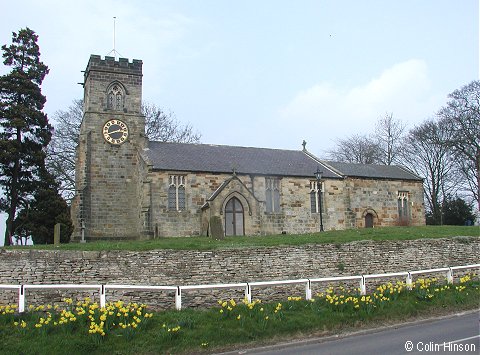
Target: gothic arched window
<point>272,195</point>
<point>176,193</point>
<point>115,98</point>
<point>316,191</point>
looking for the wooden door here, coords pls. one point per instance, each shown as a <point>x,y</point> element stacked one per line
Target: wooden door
<point>369,220</point>
<point>234,222</point>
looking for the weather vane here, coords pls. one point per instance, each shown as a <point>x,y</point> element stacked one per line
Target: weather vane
<point>114,51</point>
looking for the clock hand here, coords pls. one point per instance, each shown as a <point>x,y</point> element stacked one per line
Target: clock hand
<point>117,131</point>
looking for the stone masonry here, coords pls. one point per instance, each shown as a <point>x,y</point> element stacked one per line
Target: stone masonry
<point>177,267</point>
<point>375,196</point>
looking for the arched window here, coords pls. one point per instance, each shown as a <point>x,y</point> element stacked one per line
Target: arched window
<point>272,195</point>
<point>115,97</point>
<point>314,196</point>
<point>403,210</point>
<point>181,197</point>
<point>176,193</point>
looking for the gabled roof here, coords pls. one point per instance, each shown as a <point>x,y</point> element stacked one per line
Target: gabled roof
<point>224,184</point>
<point>373,171</point>
<point>211,158</point>
<point>225,159</point>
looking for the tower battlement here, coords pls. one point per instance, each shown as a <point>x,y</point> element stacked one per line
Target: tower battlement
<point>109,63</point>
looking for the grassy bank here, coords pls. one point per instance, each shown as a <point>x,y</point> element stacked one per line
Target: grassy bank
<point>345,236</point>
<point>79,328</point>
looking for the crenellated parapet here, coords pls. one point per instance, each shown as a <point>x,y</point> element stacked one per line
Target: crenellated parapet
<point>109,63</point>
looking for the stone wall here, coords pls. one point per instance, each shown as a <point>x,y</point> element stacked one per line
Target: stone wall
<point>345,203</point>
<point>175,267</point>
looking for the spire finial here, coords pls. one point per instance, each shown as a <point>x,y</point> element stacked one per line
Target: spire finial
<point>304,143</point>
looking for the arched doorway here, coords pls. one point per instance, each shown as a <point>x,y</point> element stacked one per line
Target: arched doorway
<point>369,220</point>
<point>234,217</point>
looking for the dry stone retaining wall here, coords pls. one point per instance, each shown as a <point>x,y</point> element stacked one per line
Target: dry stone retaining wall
<point>174,267</point>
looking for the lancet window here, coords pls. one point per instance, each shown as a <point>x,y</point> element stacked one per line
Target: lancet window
<point>115,98</point>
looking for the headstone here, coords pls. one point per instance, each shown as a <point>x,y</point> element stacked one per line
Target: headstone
<point>216,229</point>
<point>205,224</point>
<point>56,234</point>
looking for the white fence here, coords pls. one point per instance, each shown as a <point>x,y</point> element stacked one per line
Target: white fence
<point>247,286</point>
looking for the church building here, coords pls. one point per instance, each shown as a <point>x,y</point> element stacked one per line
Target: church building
<point>128,187</point>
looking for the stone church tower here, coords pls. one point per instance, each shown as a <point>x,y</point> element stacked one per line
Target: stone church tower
<point>109,163</point>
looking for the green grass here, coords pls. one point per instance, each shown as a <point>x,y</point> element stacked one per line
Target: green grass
<point>238,325</point>
<point>206,243</point>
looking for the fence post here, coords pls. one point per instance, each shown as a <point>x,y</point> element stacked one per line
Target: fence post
<point>363,286</point>
<point>21,299</point>
<point>450,276</point>
<point>178,299</point>
<point>409,281</point>
<point>248,293</point>
<point>308,290</point>
<point>103,297</point>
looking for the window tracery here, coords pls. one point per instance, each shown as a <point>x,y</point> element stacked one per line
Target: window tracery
<point>115,98</point>
<point>314,196</point>
<point>176,193</point>
<point>272,195</point>
<point>402,201</point>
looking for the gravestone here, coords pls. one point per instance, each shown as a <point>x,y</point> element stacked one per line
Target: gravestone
<point>56,234</point>
<point>216,229</point>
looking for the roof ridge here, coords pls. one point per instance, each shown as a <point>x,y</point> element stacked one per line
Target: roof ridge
<point>227,146</point>
<point>201,157</point>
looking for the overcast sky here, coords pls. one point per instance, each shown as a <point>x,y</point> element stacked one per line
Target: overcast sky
<point>265,73</point>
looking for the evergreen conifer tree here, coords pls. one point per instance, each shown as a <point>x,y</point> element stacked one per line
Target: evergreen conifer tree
<point>24,128</point>
<point>47,208</point>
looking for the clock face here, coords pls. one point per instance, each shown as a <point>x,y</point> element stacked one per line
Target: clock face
<point>115,132</point>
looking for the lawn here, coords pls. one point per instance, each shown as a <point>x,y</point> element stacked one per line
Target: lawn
<point>80,327</point>
<point>207,243</point>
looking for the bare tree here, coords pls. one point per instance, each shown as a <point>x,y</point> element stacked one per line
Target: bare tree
<point>461,116</point>
<point>61,150</point>
<point>384,146</point>
<point>426,154</point>
<point>389,134</point>
<point>160,126</point>
<point>356,149</point>
<point>164,127</point>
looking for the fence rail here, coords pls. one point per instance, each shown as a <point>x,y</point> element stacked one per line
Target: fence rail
<point>102,289</point>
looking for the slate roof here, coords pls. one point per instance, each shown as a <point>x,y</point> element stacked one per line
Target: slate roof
<point>223,159</point>
<point>373,171</point>
<point>258,161</point>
